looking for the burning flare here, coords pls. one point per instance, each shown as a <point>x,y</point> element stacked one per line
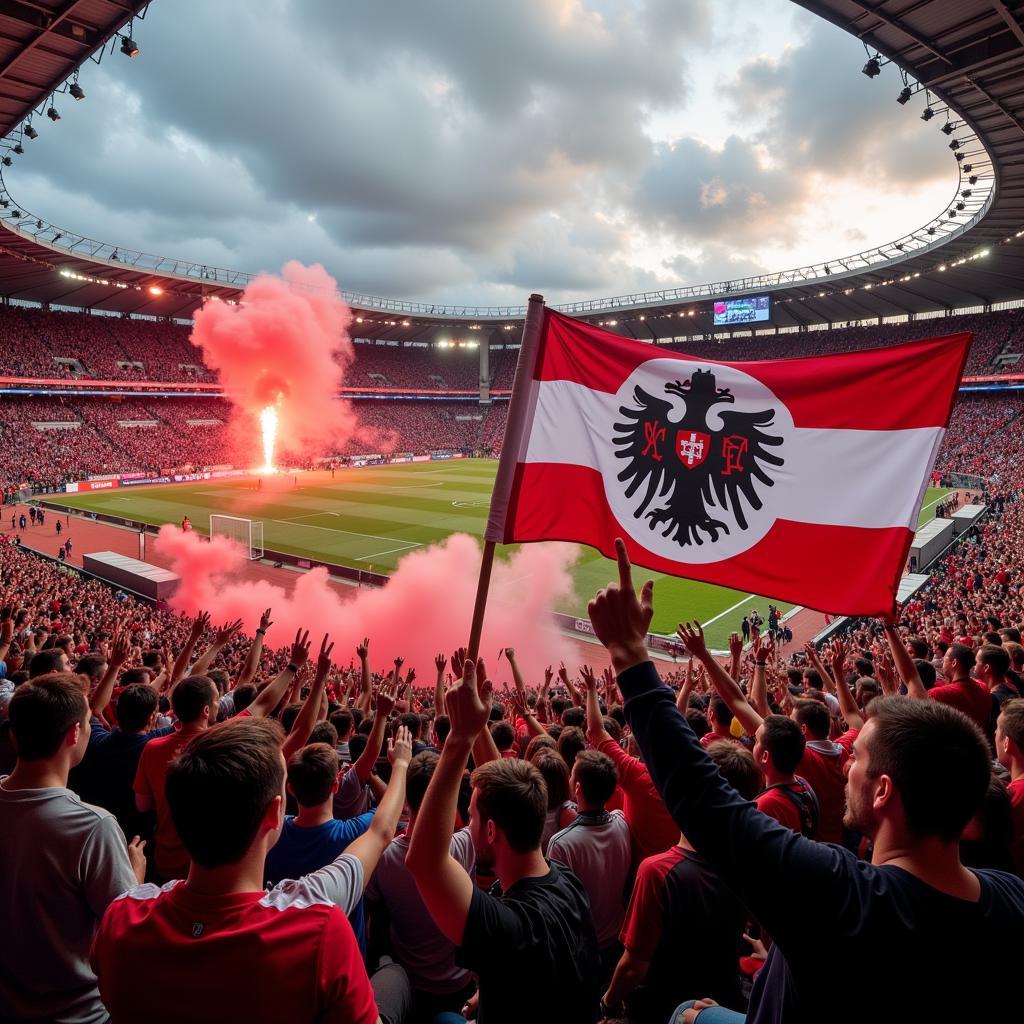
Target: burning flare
<point>268,424</point>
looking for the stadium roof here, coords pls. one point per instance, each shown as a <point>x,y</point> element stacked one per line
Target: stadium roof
<point>967,55</point>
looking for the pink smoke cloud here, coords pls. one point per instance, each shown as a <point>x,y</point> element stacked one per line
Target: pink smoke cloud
<point>286,344</point>
<point>426,608</point>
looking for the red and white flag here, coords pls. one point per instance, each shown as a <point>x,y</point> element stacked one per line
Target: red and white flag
<point>796,479</point>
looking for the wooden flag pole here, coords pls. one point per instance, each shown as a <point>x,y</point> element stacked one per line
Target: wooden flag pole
<point>515,428</point>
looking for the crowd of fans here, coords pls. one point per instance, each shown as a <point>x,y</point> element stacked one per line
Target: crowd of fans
<point>985,438</point>
<point>199,824</point>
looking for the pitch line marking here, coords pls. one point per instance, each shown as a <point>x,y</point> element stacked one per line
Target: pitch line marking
<point>721,615</point>
<point>390,551</point>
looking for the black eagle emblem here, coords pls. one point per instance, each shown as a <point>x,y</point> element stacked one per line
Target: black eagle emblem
<point>690,467</point>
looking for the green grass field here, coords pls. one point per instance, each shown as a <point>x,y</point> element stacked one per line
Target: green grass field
<point>372,517</point>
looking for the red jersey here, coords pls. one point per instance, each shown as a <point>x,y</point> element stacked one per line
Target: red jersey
<point>170,856</point>
<point>968,696</point>
<point>171,955</point>
<point>776,804</point>
<point>822,767</point>
<point>650,824</point>
<point>1016,791</point>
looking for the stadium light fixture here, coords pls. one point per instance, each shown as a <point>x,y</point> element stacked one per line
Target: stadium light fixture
<point>966,193</point>
<point>129,47</point>
<point>7,161</point>
<point>954,145</point>
<point>828,269</point>
<point>873,68</point>
<point>904,96</point>
<point>155,289</point>
<point>947,128</point>
<point>19,149</point>
<point>30,132</point>
<point>973,179</point>
<point>959,156</point>
<point>53,114</point>
<point>76,91</point>
<point>927,114</point>
<point>942,266</point>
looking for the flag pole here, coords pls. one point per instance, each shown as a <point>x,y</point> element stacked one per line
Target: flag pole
<point>515,428</point>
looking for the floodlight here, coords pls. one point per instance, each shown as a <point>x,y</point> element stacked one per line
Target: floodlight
<point>76,91</point>
<point>52,114</point>
<point>129,47</point>
<point>873,68</point>
<point>904,96</point>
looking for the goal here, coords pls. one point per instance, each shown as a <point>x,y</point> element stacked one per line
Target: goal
<point>247,532</point>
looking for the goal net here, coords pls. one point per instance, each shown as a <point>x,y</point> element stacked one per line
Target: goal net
<point>247,532</point>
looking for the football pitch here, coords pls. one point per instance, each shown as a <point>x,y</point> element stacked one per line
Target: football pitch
<point>369,518</point>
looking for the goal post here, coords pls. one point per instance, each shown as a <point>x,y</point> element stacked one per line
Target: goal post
<point>247,532</point>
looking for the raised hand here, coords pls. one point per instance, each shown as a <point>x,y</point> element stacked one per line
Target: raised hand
<point>458,662</point>
<point>227,631</point>
<point>439,662</point>
<point>200,625</point>
<point>510,653</point>
<point>548,676</point>
<point>692,635</point>
<point>621,618</point>
<point>589,680</point>
<point>468,702</point>
<point>387,695</point>
<point>736,644</point>
<point>120,649</point>
<point>265,621</point>
<point>399,662</point>
<point>363,649</point>
<point>299,653</point>
<point>323,661</point>
<point>137,858</point>
<point>400,746</point>
<point>563,675</point>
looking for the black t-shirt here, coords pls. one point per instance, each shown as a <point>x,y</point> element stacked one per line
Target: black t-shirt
<point>536,940</point>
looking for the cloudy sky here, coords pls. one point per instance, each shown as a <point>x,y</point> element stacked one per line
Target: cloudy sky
<point>475,152</point>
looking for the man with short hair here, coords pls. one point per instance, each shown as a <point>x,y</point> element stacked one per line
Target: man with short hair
<point>597,849</point>
<point>992,665</point>
<point>46,662</point>
<point>720,720</point>
<point>107,773</point>
<point>194,703</point>
<point>62,861</point>
<point>919,774</point>
<point>779,746</point>
<point>540,927</point>
<point>168,952</point>
<point>400,920</point>
<point>961,691</point>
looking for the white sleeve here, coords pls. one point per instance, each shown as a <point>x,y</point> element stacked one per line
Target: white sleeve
<point>340,883</point>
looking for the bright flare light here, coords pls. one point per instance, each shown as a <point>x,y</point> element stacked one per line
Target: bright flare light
<point>268,424</point>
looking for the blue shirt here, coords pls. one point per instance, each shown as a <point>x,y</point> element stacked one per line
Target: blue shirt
<point>302,850</point>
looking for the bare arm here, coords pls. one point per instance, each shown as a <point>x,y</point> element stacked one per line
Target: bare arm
<point>185,654</point>
<point>444,885</point>
<point>220,641</point>
<point>683,698</point>
<point>727,687</point>
<point>306,718</point>
<point>117,657</point>
<point>368,758</point>
<point>252,659</point>
<point>735,653</point>
<point>270,696</point>
<point>847,705</point>
<point>365,688</point>
<point>596,732</point>
<point>905,666</point>
<point>439,663</point>
<point>370,845</point>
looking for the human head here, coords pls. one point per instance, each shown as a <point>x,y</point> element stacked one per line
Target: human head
<point>52,660</point>
<point>507,809</point>
<point>324,732</point>
<point>313,774</point>
<point>504,736</point>
<point>1010,734</point>
<point>574,718</point>
<point>570,742</point>
<point>778,744</point>
<point>593,779</point>
<point>136,707</point>
<point>957,661</point>
<point>555,773</point>
<point>442,727</point>
<point>813,718</point>
<point>992,663</point>
<point>719,713</point>
<point>920,765</point>
<point>412,722</point>
<point>92,666</point>
<point>538,743</point>
<point>344,723</point>
<point>737,766</point>
<point>244,696</point>
<point>225,790</point>
<point>417,778</point>
<point>194,700</point>
<point>49,719</point>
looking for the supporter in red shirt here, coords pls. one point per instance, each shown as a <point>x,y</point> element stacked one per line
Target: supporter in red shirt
<point>1010,751</point>
<point>822,766</point>
<point>169,955</point>
<point>720,720</point>
<point>684,924</point>
<point>962,692</point>
<point>194,703</point>
<point>778,748</point>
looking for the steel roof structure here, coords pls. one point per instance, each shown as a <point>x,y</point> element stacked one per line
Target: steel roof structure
<point>964,57</point>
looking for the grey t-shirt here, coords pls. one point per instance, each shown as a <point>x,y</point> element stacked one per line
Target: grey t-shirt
<point>420,946</point>
<point>61,863</point>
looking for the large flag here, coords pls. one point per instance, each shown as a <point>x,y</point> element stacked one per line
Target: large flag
<point>795,479</point>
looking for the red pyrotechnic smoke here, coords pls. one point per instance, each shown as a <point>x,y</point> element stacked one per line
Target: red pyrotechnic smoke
<point>425,609</point>
<point>285,344</point>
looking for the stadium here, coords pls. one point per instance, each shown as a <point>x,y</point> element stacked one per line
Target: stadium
<point>133,397</point>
